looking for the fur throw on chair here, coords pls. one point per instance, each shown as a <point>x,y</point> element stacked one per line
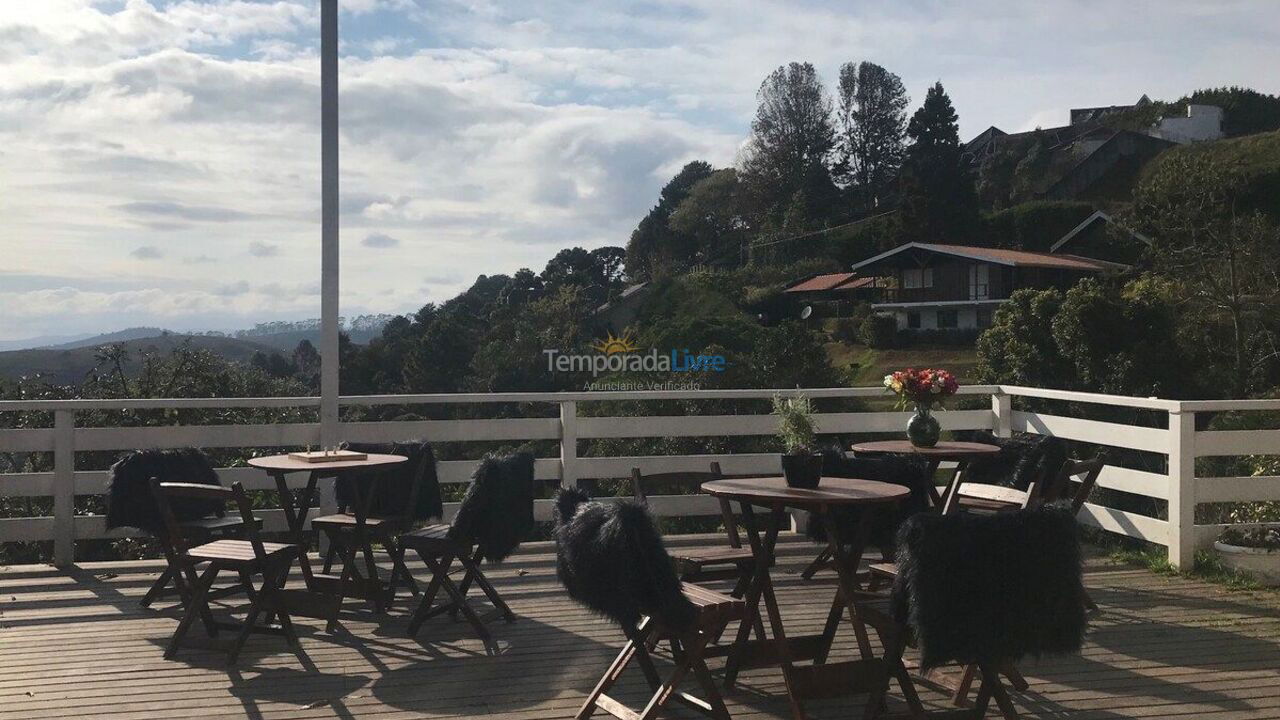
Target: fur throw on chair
<point>610,557</point>
<point>395,488</point>
<point>497,511</point>
<point>991,588</point>
<point>130,502</point>
<point>1023,459</point>
<point>896,469</point>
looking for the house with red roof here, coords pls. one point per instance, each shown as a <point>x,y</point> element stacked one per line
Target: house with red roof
<point>928,286</point>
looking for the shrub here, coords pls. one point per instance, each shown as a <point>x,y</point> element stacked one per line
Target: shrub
<point>795,424</point>
<point>880,331</point>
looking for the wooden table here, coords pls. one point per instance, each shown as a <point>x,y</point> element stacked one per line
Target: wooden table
<point>959,452</point>
<point>297,505</point>
<point>821,679</point>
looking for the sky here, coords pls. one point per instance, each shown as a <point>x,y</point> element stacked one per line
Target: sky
<point>160,160</point>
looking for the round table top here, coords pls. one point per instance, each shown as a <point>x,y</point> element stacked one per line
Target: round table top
<point>830,491</point>
<point>943,450</point>
<point>286,464</point>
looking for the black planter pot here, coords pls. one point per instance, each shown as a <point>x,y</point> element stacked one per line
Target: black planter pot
<point>802,471</point>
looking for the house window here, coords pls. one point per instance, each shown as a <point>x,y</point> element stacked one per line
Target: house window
<point>914,278</point>
<point>913,320</point>
<point>948,319</point>
<point>979,282</point>
<point>984,317</point>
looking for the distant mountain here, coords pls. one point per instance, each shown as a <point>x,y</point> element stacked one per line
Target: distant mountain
<point>40,341</point>
<point>71,364</point>
<point>287,341</point>
<point>134,333</point>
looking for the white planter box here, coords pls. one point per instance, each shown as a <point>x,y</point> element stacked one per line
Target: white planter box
<point>1262,564</point>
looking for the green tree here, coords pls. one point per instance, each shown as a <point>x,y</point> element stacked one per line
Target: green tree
<point>938,202</point>
<point>655,248</point>
<point>1223,260</point>
<point>712,217</point>
<point>872,120</point>
<point>1019,347</point>
<point>791,140</point>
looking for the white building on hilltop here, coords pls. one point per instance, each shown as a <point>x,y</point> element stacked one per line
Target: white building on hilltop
<point>1202,122</point>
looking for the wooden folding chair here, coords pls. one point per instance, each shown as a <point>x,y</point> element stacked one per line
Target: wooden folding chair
<point>688,648</point>
<point>439,552</point>
<point>974,497</point>
<point>247,558</point>
<point>350,532</point>
<point>171,582</point>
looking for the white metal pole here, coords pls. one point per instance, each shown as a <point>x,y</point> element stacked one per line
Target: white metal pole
<point>329,222</point>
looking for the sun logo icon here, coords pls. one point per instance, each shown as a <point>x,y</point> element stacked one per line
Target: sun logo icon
<point>611,345</point>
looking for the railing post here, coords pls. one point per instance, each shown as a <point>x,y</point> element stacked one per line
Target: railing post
<point>64,487</point>
<point>568,444</point>
<point>1182,489</point>
<point>1002,414</point>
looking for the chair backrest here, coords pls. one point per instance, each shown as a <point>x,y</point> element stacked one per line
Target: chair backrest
<point>167,494</point>
<point>409,491</point>
<point>991,588</point>
<point>496,513</point>
<point>1087,471</point>
<point>1023,459</point>
<point>610,558</point>
<point>130,501</point>
<point>643,485</point>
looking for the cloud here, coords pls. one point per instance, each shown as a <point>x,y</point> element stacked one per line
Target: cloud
<point>494,133</point>
<point>379,240</point>
<point>257,248</point>
<point>194,213</point>
<point>147,252</point>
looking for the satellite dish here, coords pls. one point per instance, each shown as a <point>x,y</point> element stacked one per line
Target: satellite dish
<point>806,312</point>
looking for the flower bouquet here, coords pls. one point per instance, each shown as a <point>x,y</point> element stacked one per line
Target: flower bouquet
<point>925,389</point>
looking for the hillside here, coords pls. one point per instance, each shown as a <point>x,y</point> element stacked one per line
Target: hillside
<point>70,365</point>
<point>1257,155</point>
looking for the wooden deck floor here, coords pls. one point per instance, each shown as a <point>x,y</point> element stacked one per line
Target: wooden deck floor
<point>75,644</point>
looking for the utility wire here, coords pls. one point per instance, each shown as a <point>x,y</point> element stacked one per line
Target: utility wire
<point>823,231</point>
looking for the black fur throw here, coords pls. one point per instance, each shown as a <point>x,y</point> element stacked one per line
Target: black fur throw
<point>1023,459</point>
<point>991,588</point>
<point>130,502</point>
<point>395,487</point>
<point>899,470</point>
<point>497,511</point>
<point>610,557</point>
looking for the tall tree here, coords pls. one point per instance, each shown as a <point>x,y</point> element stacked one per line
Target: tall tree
<point>712,216</point>
<point>792,137</point>
<point>654,248</point>
<point>1223,258</point>
<point>871,111</point>
<point>938,200</point>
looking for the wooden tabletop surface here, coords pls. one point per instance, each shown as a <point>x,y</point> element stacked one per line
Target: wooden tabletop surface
<point>830,491</point>
<point>943,450</point>
<point>284,463</point>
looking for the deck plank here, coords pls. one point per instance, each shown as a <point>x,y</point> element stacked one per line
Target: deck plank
<point>75,644</point>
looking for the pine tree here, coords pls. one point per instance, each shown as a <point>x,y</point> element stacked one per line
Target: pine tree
<point>938,200</point>
<point>872,135</point>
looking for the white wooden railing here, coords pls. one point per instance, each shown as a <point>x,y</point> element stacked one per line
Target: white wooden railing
<point>1171,439</point>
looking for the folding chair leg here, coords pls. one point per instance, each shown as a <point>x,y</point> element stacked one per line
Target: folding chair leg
<point>439,570</point>
<point>1018,682</point>
<point>197,606</point>
<point>400,574</point>
<point>611,676</point>
<point>473,569</point>
<point>995,689</point>
<point>332,554</point>
<point>961,695</point>
<point>157,589</point>
<point>255,608</point>
<point>819,562</point>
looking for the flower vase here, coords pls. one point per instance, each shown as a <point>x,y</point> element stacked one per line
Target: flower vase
<point>923,429</point>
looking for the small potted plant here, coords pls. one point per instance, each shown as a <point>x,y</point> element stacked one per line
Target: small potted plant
<point>925,389</point>
<point>801,464</point>
<point>1253,551</point>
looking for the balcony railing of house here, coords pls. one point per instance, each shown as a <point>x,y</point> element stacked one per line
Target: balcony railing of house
<point>1161,435</point>
<point>937,294</point>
